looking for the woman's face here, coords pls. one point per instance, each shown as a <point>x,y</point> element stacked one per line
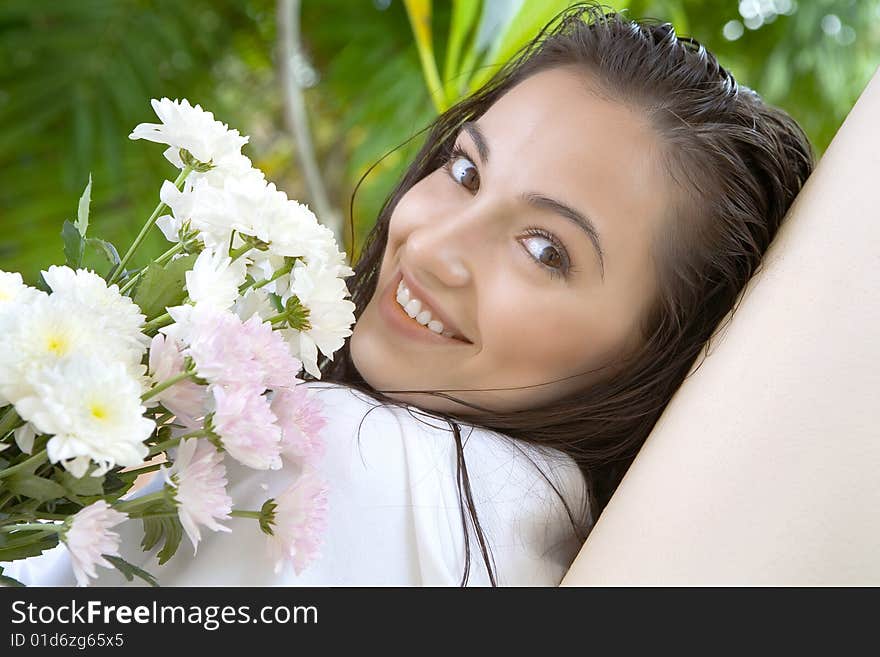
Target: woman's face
<point>502,247</point>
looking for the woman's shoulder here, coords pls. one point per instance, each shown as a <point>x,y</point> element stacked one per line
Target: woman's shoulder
<point>522,492</point>
<point>491,450</point>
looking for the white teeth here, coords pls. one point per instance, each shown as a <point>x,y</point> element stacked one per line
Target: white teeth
<point>413,307</point>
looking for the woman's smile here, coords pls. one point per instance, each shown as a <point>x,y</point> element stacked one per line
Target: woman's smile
<point>398,319</point>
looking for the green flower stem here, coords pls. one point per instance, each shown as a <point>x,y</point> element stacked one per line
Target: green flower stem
<point>130,284</point>
<point>8,495</point>
<point>256,515</point>
<point>118,269</point>
<point>278,274</point>
<point>174,442</point>
<point>167,383</point>
<point>201,433</point>
<point>147,516</point>
<point>159,322</point>
<point>173,251</point>
<point>130,506</point>
<point>277,318</point>
<point>163,418</point>
<point>34,516</point>
<point>8,421</point>
<point>134,474</point>
<point>37,458</point>
<point>158,448</point>
<point>161,260</point>
<point>39,526</point>
<point>235,254</point>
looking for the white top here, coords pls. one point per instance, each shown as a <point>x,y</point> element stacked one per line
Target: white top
<point>393,511</point>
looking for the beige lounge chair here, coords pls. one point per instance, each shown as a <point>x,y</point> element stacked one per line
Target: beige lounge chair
<point>765,467</point>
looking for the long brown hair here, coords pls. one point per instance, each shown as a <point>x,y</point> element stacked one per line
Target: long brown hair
<point>737,163</point>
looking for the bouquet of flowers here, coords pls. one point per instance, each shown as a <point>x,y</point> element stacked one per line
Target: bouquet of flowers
<point>174,366</point>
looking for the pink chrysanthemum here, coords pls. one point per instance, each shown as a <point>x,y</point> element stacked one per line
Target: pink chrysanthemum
<point>89,537</point>
<point>247,427</point>
<point>278,364</point>
<point>199,476</point>
<point>221,347</point>
<point>300,521</point>
<point>185,399</point>
<point>300,417</point>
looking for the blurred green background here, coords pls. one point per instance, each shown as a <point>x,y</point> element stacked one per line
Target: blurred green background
<point>77,75</point>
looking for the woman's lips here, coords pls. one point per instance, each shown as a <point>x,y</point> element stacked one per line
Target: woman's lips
<point>437,312</point>
<point>405,325</point>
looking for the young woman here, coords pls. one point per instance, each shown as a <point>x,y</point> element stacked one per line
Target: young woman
<point>541,280</point>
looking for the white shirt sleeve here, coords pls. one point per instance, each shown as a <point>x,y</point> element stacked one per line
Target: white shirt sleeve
<point>394,516</point>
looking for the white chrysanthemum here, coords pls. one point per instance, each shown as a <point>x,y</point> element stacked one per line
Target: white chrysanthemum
<point>199,478</point>
<point>93,410</point>
<point>14,291</point>
<point>15,297</point>
<point>119,317</point>
<point>254,302</point>
<point>297,232</point>
<point>192,128</point>
<point>24,437</point>
<point>45,332</point>
<point>216,210</point>
<point>330,314</point>
<point>214,279</point>
<point>89,536</point>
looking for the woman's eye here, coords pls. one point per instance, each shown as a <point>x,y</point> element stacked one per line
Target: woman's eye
<point>547,253</point>
<point>463,171</point>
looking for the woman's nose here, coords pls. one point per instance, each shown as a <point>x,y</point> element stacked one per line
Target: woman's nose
<point>439,254</point>
<point>451,246</point>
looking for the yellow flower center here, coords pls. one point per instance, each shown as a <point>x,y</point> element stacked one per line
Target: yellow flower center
<point>98,411</point>
<point>57,344</point>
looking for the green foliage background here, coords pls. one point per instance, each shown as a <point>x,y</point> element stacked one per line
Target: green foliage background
<point>77,76</point>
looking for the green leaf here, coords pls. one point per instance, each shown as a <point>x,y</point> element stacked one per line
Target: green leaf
<point>74,244</point>
<point>155,529</point>
<point>464,20</point>
<point>113,484</point>
<point>35,487</point>
<point>523,27</point>
<point>130,571</point>
<point>276,302</point>
<point>42,284</point>
<point>28,545</point>
<point>105,249</point>
<point>82,211</point>
<point>85,486</point>
<point>419,12</point>
<point>6,580</point>
<point>161,287</point>
<point>173,534</point>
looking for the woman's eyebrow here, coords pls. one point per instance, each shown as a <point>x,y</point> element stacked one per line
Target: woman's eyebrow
<point>477,136</point>
<point>581,220</point>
